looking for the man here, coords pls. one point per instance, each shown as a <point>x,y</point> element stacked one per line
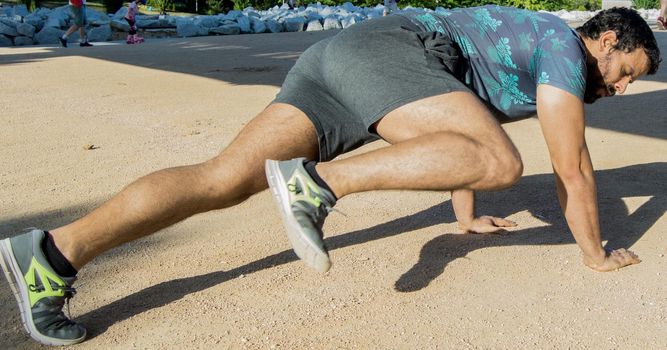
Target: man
<point>452,74</point>
<point>78,10</point>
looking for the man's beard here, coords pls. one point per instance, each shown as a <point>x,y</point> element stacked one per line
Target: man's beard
<point>596,85</point>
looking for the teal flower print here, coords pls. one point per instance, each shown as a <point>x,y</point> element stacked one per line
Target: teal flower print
<point>507,89</point>
<point>430,23</point>
<point>483,20</point>
<point>576,75</point>
<point>558,44</point>
<point>544,78</point>
<point>502,53</point>
<point>525,41</point>
<point>466,47</point>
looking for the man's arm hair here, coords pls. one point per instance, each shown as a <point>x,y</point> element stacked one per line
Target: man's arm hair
<point>561,117</point>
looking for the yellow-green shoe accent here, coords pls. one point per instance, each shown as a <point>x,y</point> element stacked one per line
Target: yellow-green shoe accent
<point>39,291</point>
<point>303,205</point>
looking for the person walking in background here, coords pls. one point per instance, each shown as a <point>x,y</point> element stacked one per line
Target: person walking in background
<point>78,10</point>
<point>662,15</point>
<point>133,8</point>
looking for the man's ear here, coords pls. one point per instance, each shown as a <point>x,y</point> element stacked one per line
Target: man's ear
<point>607,41</point>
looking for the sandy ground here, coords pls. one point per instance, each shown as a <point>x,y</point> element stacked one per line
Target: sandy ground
<point>401,276</point>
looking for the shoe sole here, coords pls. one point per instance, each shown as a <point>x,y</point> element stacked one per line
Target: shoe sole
<point>11,269</point>
<point>304,248</point>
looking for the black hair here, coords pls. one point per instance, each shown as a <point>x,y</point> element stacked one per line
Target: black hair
<point>631,30</point>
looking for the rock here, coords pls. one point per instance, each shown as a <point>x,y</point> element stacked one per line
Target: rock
<point>5,41</point>
<point>120,14</point>
<point>257,25</point>
<point>99,34</point>
<point>20,10</point>
<point>207,21</point>
<point>186,28</point>
<point>43,12</point>
<point>314,25</point>
<point>331,22</point>
<point>244,24</point>
<point>23,41</point>
<point>25,29</point>
<point>295,24</point>
<point>274,26</point>
<point>58,18</point>
<point>228,29</point>
<point>8,28</point>
<point>121,26</point>
<point>34,20</point>
<point>49,35</point>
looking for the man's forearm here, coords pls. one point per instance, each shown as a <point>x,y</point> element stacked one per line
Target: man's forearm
<point>578,198</point>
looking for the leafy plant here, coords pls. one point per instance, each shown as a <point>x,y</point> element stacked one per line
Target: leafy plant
<point>646,4</point>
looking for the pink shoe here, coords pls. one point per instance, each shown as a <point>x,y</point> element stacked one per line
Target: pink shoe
<point>138,39</point>
<point>662,23</point>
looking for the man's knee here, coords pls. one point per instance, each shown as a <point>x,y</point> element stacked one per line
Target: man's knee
<point>506,169</point>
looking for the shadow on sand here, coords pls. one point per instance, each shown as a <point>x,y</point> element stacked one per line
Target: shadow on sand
<point>621,229</point>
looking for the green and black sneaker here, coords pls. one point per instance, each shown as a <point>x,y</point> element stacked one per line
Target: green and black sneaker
<point>39,291</point>
<point>304,205</point>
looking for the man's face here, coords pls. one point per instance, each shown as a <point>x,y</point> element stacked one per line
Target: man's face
<point>613,71</point>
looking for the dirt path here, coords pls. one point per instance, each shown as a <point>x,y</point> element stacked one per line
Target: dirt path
<point>401,278</point>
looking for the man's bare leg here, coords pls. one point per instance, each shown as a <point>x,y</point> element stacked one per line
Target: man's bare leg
<point>168,196</point>
<point>445,142</point>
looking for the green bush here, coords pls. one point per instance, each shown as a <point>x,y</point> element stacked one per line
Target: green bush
<point>162,5</point>
<point>646,4</point>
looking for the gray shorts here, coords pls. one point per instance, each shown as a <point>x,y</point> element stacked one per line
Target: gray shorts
<point>346,83</point>
<point>79,14</point>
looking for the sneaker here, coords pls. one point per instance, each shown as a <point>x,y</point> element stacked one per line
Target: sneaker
<point>304,205</point>
<point>85,44</point>
<point>662,23</point>
<point>63,42</point>
<point>40,292</point>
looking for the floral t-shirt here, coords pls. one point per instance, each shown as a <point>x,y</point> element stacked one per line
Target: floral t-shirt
<point>510,52</point>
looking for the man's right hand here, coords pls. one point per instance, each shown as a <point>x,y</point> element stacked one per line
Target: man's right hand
<point>613,261</point>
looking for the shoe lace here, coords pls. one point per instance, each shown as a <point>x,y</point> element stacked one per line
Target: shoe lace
<point>68,293</point>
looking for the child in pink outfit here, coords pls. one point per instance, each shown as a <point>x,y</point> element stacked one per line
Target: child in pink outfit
<point>133,8</point>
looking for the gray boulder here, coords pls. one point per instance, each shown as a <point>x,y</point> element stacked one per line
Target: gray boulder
<point>49,35</point>
<point>58,18</point>
<point>120,25</point>
<point>42,12</point>
<point>207,21</point>
<point>257,25</point>
<point>244,24</point>
<point>295,24</point>
<point>234,14</point>
<point>34,20</point>
<point>314,25</point>
<point>274,26</point>
<point>99,34</point>
<point>25,29</point>
<point>8,28</point>
<point>23,41</point>
<point>187,28</point>
<point>332,22</point>
<point>120,14</point>
<point>20,10</point>
<point>5,41</point>
<point>228,29</point>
